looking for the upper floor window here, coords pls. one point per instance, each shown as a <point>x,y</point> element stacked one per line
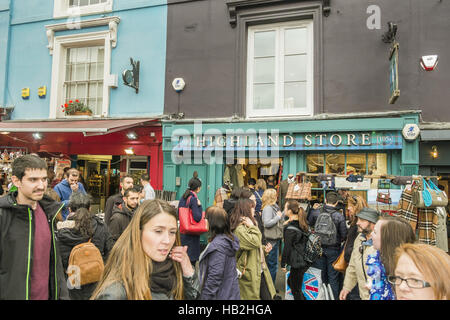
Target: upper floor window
<point>280,69</point>
<point>69,8</point>
<point>84,73</point>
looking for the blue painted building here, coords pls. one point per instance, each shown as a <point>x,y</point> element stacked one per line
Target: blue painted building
<point>58,52</point>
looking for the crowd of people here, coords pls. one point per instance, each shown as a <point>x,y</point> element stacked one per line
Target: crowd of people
<point>136,251</point>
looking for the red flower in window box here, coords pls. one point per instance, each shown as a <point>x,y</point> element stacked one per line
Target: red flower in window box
<point>76,108</point>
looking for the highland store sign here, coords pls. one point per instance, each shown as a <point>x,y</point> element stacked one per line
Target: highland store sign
<point>302,141</point>
<point>211,144</point>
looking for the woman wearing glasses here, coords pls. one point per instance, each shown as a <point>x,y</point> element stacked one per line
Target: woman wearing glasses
<point>422,272</point>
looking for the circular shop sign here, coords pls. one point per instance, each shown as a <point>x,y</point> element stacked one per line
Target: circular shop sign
<point>411,132</point>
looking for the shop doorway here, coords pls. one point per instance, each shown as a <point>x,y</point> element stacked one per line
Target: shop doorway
<point>95,174</point>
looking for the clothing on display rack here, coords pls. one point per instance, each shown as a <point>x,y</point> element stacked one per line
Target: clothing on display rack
<point>423,221</point>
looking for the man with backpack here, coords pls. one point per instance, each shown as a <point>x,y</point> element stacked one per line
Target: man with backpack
<point>330,226</point>
<point>30,262</point>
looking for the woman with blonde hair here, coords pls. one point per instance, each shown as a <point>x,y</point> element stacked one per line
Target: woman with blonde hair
<point>273,219</point>
<point>148,261</point>
<point>422,272</point>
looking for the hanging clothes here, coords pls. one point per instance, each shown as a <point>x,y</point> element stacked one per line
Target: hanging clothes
<point>441,230</point>
<point>240,175</point>
<point>253,170</point>
<point>423,221</point>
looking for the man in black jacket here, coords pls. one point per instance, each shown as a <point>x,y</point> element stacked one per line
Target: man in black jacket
<point>331,252</point>
<point>30,263</point>
<point>126,182</point>
<point>123,213</point>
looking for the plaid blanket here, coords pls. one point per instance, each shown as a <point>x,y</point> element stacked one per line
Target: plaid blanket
<point>423,221</point>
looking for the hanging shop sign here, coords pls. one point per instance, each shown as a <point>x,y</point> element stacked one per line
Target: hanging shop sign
<point>393,73</point>
<point>286,142</point>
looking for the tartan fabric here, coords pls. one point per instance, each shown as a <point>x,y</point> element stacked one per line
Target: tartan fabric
<point>423,220</point>
<point>406,209</point>
<point>427,224</point>
<point>303,191</point>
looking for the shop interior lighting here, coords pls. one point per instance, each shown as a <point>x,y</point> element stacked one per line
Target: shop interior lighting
<point>132,135</point>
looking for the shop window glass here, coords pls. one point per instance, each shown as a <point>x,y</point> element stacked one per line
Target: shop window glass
<point>356,163</point>
<point>377,165</point>
<point>335,163</point>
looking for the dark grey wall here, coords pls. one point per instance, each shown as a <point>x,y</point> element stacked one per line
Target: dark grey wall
<point>202,48</point>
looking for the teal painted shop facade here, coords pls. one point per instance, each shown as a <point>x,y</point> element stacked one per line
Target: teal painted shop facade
<point>302,145</point>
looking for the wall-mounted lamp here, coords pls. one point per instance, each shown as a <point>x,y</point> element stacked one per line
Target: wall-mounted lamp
<point>37,136</point>
<point>434,152</point>
<point>129,151</point>
<point>132,135</point>
<point>5,132</point>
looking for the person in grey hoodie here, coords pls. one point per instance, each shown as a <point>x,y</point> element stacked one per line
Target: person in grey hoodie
<point>217,264</point>
<point>273,219</point>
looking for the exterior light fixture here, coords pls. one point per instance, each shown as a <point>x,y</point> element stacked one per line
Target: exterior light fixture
<point>132,135</point>
<point>37,136</point>
<point>434,152</point>
<point>129,151</point>
<point>5,132</point>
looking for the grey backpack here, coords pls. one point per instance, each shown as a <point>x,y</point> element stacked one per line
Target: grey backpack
<point>325,228</point>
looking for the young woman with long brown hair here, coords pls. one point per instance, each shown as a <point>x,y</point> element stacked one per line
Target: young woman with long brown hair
<point>148,261</point>
<point>295,236</point>
<point>255,282</point>
<point>388,234</point>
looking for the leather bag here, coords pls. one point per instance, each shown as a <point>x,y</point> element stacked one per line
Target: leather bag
<point>187,223</point>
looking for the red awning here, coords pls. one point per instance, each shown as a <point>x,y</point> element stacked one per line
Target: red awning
<point>87,127</point>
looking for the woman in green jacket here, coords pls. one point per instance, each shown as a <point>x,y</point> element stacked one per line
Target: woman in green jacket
<point>255,282</point>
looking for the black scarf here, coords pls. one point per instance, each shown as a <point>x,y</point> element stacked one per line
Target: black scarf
<point>163,277</point>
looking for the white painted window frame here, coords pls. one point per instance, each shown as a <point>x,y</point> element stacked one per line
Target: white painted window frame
<point>61,43</point>
<point>279,71</point>
<point>61,9</point>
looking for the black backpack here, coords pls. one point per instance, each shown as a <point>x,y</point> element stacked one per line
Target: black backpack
<point>312,249</point>
<point>325,228</point>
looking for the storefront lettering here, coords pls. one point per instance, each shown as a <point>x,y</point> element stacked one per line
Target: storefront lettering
<point>273,141</point>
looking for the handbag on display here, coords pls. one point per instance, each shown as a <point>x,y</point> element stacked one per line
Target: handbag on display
<point>384,197</point>
<point>299,191</point>
<point>429,196</point>
<point>438,197</point>
<point>402,180</point>
<point>187,223</point>
<point>384,184</point>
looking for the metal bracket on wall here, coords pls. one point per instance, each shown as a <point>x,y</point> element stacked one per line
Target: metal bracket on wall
<point>131,77</point>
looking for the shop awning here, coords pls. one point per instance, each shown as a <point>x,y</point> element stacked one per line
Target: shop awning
<point>435,135</point>
<point>87,127</point>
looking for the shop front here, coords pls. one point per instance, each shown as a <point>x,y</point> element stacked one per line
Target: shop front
<point>273,150</point>
<point>102,150</point>
<point>435,155</point>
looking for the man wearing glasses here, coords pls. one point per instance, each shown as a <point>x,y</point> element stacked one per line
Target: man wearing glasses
<point>356,272</point>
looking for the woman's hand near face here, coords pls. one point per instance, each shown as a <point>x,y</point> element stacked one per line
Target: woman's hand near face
<point>179,254</point>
